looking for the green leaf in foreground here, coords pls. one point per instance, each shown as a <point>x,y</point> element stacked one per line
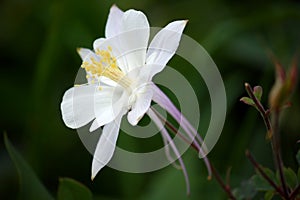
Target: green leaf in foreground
<point>30,186</point>
<point>70,189</point>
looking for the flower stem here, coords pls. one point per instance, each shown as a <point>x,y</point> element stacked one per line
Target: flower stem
<point>225,187</point>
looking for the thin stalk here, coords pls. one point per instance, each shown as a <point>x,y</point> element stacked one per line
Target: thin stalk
<point>277,152</point>
<point>295,193</point>
<point>260,108</point>
<point>264,175</point>
<point>273,134</point>
<point>225,187</point>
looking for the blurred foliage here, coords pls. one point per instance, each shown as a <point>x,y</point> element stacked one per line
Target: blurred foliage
<point>38,41</point>
<point>71,189</point>
<point>30,186</point>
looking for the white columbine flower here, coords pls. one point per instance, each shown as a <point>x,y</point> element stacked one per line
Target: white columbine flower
<point>119,81</point>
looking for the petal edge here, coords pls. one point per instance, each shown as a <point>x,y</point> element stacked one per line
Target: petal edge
<point>106,146</point>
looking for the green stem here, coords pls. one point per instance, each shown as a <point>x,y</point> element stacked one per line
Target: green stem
<point>273,134</point>
<point>260,108</point>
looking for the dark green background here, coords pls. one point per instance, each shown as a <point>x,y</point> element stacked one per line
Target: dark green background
<point>38,41</point>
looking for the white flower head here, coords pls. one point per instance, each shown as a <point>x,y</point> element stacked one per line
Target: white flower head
<point>119,74</point>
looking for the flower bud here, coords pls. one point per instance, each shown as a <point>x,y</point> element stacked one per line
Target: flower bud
<point>283,87</point>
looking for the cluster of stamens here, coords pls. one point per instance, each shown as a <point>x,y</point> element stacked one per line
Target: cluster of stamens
<point>106,66</point>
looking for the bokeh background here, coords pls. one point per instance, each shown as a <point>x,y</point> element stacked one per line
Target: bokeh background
<point>38,41</point>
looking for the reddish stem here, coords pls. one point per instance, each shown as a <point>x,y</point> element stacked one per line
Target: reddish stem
<point>264,175</point>
<point>225,187</point>
<point>295,193</point>
<point>273,134</point>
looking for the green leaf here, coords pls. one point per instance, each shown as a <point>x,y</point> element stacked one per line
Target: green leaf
<point>246,190</point>
<point>298,157</point>
<point>30,186</point>
<point>248,101</point>
<point>291,177</point>
<point>269,195</point>
<point>270,173</point>
<point>260,183</point>
<point>258,91</point>
<point>70,189</point>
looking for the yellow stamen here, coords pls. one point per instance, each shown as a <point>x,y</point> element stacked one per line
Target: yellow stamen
<point>107,66</point>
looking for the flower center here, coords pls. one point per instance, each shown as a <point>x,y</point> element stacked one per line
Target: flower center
<point>106,66</point>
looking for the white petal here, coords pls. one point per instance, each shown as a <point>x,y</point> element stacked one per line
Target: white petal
<point>113,24</point>
<point>134,38</point>
<point>83,52</point>
<point>108,105</point>
<point>97,43</point>
<point>129,45</point>
<point>133,19</point>
<point>164,45</point>
<point>140,107</point>
<point>77,106</point>
<point>106,145</point>
<point>94,126</point>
